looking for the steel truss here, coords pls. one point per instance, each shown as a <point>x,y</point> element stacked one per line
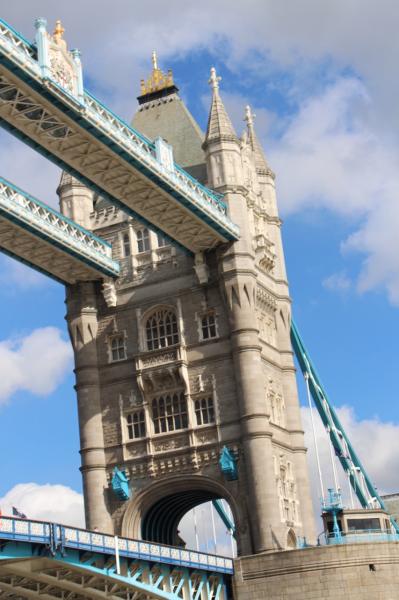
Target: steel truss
<point>40,236</point>
<point>92,143</point>
<point>50,561</point>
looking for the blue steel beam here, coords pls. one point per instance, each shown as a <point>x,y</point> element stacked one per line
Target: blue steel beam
<point>45,239</point>
<point>77,132</point>
<point>64,558</point>
<point>360,481</point>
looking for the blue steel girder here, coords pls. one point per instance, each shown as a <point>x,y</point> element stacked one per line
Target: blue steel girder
<point>85,138</point>
<point>350,462</point>
<point>50,560</point>
<point>43,238</point>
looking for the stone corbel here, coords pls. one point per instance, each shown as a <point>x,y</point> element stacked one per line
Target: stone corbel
<point>109,292</point>
<point>201,268</point>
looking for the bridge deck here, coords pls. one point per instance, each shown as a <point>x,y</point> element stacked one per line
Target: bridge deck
<point>88,140</point>
<point>40,236</point>
<point>46,559</point>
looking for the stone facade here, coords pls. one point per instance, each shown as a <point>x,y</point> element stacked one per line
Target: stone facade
<point>187,355</point>
<point>355,571</point>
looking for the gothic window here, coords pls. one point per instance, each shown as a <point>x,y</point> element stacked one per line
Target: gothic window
<point>162,241</point>
<point>161,329</point>
<point>169,412</point>
<point>208,326</point>
<point>204,411</point>
<point>143,240</point>
<point>136,425</point>
<point>126,244</point>
<point>117,348</point>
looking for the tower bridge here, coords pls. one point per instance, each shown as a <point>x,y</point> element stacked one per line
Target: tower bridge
<point>185,376</point>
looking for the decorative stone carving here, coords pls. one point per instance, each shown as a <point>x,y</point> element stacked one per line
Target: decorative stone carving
<point>265,255</point>
<point>201,268</point>
<point>109,292</point>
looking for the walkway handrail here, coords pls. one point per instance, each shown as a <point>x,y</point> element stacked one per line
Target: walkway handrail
<point>41,532</point>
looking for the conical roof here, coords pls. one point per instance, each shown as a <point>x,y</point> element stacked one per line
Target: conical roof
<point>261,163</point>
<point>219,124</point>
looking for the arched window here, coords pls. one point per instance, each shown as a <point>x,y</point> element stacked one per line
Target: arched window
<point>169,412</point>
<point>118,348</point>
<point>136,425</point>
<point>143,240</point>
<point>161,329</point>
<point>126,244</point>
<point>162,241</point>
<point>204,411</point>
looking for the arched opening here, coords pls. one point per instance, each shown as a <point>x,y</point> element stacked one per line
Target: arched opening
<point>179,512</point>
<point>291,540</point>
<point>160,523</point>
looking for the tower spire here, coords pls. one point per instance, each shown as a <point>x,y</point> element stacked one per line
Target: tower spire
<point>259,155</point>
<point>219,124</point>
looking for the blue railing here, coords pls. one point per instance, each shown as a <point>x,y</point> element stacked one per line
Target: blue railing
<point>39,532</point>
<point>32,214</point>
<point>15,47</point>
<point>362,536</point>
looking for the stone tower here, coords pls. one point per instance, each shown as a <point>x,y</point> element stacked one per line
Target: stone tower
<point>188,356</point>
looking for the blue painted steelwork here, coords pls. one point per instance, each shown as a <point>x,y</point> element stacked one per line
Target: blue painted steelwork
<point>120,484</point>
<point>363,487</point>
<point>45,223</point>
<point>218,504</point>
<point>362,537</point>
<point>333,506</point>
<point>20,58</point>
<point>228,464</point>
<point>136,566</point>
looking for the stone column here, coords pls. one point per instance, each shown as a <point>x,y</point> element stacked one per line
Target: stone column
<point>82,322</point>
<point>239,277</point>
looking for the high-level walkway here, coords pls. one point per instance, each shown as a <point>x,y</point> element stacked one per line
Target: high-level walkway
<point>52,561</point>
<point>74,130</point>
<point>50,242</point>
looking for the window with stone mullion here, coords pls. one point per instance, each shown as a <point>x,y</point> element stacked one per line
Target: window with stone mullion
<point>169,413</point>
<point>136,425</point>
<point>204,411</point>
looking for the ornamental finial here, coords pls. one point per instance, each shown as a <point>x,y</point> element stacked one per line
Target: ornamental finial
<point>249,116</point>
<point>154,60</point>
<point>59,30</point>
<point>214,79</point>
<point>158,80</point>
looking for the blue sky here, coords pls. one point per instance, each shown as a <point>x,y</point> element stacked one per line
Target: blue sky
<point>325,97</point>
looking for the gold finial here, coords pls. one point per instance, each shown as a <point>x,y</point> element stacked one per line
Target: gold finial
<point>158,80</point>
<point>214,79</point>
<point>59,30</point>
<point>154,61</point>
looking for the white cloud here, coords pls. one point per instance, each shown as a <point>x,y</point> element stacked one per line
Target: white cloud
<point>55,503</point>
<point>375,443</point>
<point>36,363</point>
<point>337,282</point>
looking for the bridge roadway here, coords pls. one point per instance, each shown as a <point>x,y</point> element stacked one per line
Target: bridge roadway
<point>52,561</point>
<point>50,242</point>
<point>82,136</point>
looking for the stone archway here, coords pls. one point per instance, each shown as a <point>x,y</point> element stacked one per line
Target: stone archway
<point>291,540</point>
<point>156,510</point>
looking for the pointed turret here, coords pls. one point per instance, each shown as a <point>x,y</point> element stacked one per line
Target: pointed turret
<point>219,124</point>
<point>76,200</point>
<point>261,164</point>
<point>221,145</point>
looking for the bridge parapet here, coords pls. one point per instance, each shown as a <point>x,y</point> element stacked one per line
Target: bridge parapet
<point>137,164</point>
<point>31,214</point>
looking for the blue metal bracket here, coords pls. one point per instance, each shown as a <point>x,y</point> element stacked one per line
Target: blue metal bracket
<point>228,464</point>
<point>120,484</point>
